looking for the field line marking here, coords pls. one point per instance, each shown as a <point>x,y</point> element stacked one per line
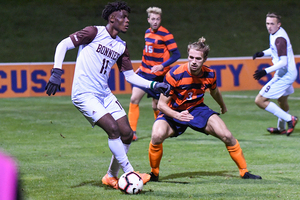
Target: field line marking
<point>252,97</point>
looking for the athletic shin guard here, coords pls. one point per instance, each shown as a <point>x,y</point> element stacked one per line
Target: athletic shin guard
<point>155,155</point>
<point>237,156</point>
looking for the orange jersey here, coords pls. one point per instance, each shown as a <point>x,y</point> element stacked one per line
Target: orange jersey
<point>156,50</point>
<point>188,90</point>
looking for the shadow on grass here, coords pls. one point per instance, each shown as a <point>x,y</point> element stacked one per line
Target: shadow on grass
<point>166,179</point>
<point>97,183</point>
<point>193,175</point>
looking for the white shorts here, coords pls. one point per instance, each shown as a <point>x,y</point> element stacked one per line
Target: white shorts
<point>94,107</point>
<point>277,87</point>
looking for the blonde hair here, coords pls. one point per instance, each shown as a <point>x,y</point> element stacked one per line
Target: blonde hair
<point>200,46</point>
<point>155,10</point>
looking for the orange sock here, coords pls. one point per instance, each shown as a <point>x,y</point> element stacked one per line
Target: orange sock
<point>155,155</point>
<point>133,115</point>
<point>156,112</point>
<point>237,156</point>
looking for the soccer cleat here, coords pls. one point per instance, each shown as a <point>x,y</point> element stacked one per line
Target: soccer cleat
<point>291,125</point>
<point>276,131</point>
<point>145,177</point>
<point>247,175</point>
<point>134,138</point>
<point>153,177</point>
<point>110,181</point>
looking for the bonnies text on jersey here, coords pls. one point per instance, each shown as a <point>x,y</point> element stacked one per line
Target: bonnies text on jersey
<point>108,52</point>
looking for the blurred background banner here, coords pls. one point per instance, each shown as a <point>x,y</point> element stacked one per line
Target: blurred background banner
<point>30,79</point>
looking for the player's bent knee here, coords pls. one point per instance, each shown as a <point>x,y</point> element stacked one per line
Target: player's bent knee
<point>157,138</point>
<point>229,140</point>
<point>113,132</point>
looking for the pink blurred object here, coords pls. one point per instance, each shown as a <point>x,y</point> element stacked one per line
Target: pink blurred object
<point>8,177</point>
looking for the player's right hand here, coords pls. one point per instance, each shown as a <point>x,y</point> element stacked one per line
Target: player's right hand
<point>259,73</point>
<point>185,116</point>
<point>162,88</point>
<point>258,54</point>
<point>54,82</point>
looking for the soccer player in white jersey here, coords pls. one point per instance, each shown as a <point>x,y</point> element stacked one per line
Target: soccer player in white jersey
<point>280,86</point>
<point>101,48</point>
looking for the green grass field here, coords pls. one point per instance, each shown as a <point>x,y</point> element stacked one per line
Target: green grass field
<point>61,157</point>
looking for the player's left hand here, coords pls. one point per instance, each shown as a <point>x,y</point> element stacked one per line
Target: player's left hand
<point>156,68</point>
<point>162,88</point>
<point>258,54</point>
<point>54,82</point>
<point>223,109</point>
<point>259,73</point>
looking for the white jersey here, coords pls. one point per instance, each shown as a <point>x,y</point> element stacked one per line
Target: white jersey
<point>290,68</point>
<point>98,53</point>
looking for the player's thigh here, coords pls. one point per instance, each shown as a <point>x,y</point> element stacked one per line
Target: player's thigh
<point>160,131</point>
<point>276,88</point>
<point>154,103</point>
<point>90,106</point>
<point>114,107</point>
<point>136,95</point>
<point>217,128</point>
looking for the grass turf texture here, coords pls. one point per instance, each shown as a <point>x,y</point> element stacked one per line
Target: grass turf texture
<point>31,29</point>
<point>61,157</point>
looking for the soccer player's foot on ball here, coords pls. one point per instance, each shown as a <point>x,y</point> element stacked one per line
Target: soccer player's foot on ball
<point>291,125</point>
<point>110,181</point>
<point>276,131</point>
<point>247,175</point>
<point>153,177</point>
<point>134,138</point>
<point>145,177</point>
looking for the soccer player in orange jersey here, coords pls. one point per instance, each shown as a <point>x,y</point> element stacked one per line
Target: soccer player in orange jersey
<point>156,61</point>
<point>183,107</point>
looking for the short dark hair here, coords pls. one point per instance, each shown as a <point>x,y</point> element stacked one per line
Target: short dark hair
<point>274,15</point>
<point>114,6</point>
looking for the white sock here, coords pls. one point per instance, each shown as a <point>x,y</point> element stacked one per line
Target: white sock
<point>126,147</point>
<point>114,166</point>
<point>281,124</point>
<point>278,112</point>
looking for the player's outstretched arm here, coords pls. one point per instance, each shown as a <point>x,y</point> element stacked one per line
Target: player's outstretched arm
<point>135,79</point>
<point>217,96</point>
<point>55,80</point>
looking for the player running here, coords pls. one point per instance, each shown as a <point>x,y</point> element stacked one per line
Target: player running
<point>91,95</point>
<point>280,86</point>
<point>184,107</point>
<point>156,61</point>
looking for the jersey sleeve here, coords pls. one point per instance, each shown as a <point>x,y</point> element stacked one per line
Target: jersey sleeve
<point>171,80</point>
<point>84,36</point>
<point>124,62</point>
<point>211,78</point>
<point>170,42</point>
<point>281,46</point>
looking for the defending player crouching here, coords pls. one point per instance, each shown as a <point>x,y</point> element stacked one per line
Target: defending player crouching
<point>184,107</point>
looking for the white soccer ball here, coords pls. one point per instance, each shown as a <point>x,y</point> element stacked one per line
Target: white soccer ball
<point>130,183</point>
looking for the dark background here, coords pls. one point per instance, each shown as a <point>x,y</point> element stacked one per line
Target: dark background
<point>31,29</point>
